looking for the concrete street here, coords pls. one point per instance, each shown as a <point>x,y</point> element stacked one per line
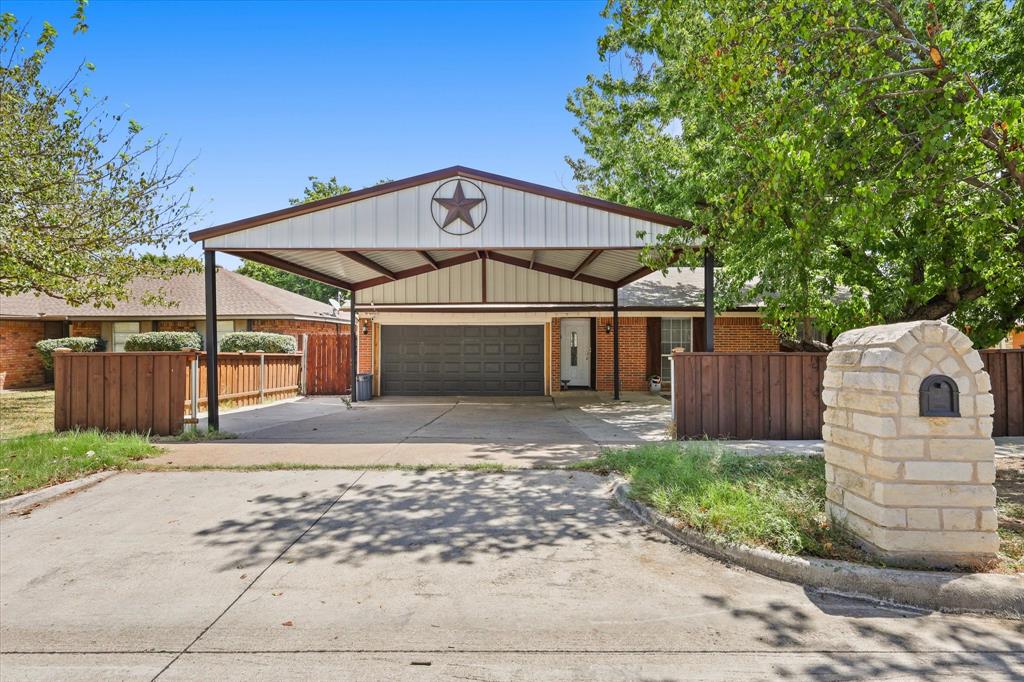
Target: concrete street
<point>400,575</point>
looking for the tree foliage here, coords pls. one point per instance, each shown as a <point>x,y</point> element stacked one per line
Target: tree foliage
<point>81,189</point>
<point>860,161</point>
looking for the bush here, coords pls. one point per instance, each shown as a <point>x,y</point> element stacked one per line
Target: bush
<point>250,342</point>
<point>163,341</point>
<point>78,344</point>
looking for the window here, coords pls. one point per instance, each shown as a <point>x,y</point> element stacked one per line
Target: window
<point>676,332</point>
<point>224,327</point>
<point>121,331</point>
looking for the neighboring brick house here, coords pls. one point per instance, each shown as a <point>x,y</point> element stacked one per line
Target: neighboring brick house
<point>657,313</point>
<point>243,304</point>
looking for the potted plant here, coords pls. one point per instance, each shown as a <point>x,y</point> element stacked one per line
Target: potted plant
<point>655,383</point>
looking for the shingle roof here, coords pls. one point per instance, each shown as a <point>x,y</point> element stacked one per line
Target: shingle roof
<point>237,296</point>
<point>681,287</point>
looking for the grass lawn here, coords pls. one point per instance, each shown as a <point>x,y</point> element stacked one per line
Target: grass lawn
<point>36,460</point>
<point>25,411</point>
<point>776,501</point>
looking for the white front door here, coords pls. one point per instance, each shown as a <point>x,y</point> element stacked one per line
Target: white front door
<point>576,351</point>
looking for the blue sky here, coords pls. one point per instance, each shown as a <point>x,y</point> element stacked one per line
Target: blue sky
<point>265,94</point>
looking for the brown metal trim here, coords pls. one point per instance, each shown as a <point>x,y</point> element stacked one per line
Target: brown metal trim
<point>586,261</point>
<point>550,269</point>
<point>368,262</point>
<point>419,270</point>
<point>427,257</point>
<point>644,271</point>
<point>634,276</point>
<point>483,276</point>
<point>293,268</point>
<point>442,174</point>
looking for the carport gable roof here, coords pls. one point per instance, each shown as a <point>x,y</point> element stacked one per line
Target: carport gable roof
<point>375,237</point>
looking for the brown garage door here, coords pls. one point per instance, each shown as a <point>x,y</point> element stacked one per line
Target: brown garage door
<point>462,359</point>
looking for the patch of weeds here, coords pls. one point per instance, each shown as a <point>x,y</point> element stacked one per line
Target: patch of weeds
<point>41,459</point>
<point>193,435</point>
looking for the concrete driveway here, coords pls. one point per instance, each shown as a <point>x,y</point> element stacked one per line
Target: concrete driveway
<point>459,430</point>
<point>401,575</point>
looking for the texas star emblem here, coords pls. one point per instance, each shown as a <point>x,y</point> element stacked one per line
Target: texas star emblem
<point>458,207</point>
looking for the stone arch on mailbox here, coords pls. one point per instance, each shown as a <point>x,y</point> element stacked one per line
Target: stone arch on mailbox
<point>909,456</point>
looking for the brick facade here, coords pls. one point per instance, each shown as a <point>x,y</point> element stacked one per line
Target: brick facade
<point>632,354</point>
<point>20,364</point>
<point>744,335</point>
<point>175,325</point>
<point>88,328</point>
<point>731,334</point>
<point>296,327</point>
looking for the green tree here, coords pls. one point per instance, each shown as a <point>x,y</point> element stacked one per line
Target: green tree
<point>316,190</point>
<point>860,161</point>
<point>286,280</point>
<point>81,190</point>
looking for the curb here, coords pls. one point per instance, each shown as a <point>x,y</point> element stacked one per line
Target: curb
<point>37,498</point>
<point>986,593</point>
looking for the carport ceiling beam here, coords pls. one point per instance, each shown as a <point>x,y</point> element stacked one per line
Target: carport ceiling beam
<point>586,261</point>
<point>419,270</point>
<point>369,263</point>
<point>549,269</point>
<point>288,266</point>
<point>644,271</point>
<point>430,259</point>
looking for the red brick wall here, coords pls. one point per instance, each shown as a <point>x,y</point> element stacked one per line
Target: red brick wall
<point>632,354</point>
<point>365,348</point>
<point>86,328</point>
<point>174,325</point>
<point>20,364</point>
<point>744,334</point>
<point>296,327</point>
<point>556,354</point>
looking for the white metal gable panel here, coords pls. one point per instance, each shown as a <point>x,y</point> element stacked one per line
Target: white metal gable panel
<point>511,284</point>
<point>402,220</point>
<point>458,284</point>
<point>464,284</point>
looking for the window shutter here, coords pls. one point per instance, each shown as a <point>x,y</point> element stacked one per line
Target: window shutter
<point>653,345</point>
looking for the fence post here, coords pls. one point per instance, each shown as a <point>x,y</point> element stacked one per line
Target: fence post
<point>263,367</point>
<point>302,364</point>
<point>672,385</point>
<point>194,389</point>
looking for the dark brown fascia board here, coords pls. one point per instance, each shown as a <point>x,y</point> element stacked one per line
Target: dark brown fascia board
<point>442,174</point>
<point>550,269</point>
<point>368,262</point>
<point>551,306</point>
<point>419,270</point>
<point>644,271</point>
<point>586,261</point>
<point>293,268</point>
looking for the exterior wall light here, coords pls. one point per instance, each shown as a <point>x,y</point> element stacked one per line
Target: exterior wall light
<point>607,328</point>
<point>366,326</point>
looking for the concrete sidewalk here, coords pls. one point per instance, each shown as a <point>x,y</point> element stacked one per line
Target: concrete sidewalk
<point>402,575</point>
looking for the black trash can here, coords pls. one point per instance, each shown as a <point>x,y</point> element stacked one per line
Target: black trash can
<point>364,387</point>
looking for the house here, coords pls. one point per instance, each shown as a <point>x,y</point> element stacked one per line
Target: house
<point>467,282</point>
<point>243,304</point>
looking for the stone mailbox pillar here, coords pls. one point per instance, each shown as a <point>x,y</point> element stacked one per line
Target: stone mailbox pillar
<point>909,457</point>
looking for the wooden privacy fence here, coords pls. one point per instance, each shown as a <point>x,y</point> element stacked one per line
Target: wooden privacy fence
<point>773,396</point>
<point>246,378</point>
<point>1006,370</point>
<point>328,365</point>
<point>777,396</point>
<point>141,392</point>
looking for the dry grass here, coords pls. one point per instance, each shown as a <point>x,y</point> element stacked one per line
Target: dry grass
<point>25,411</point>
